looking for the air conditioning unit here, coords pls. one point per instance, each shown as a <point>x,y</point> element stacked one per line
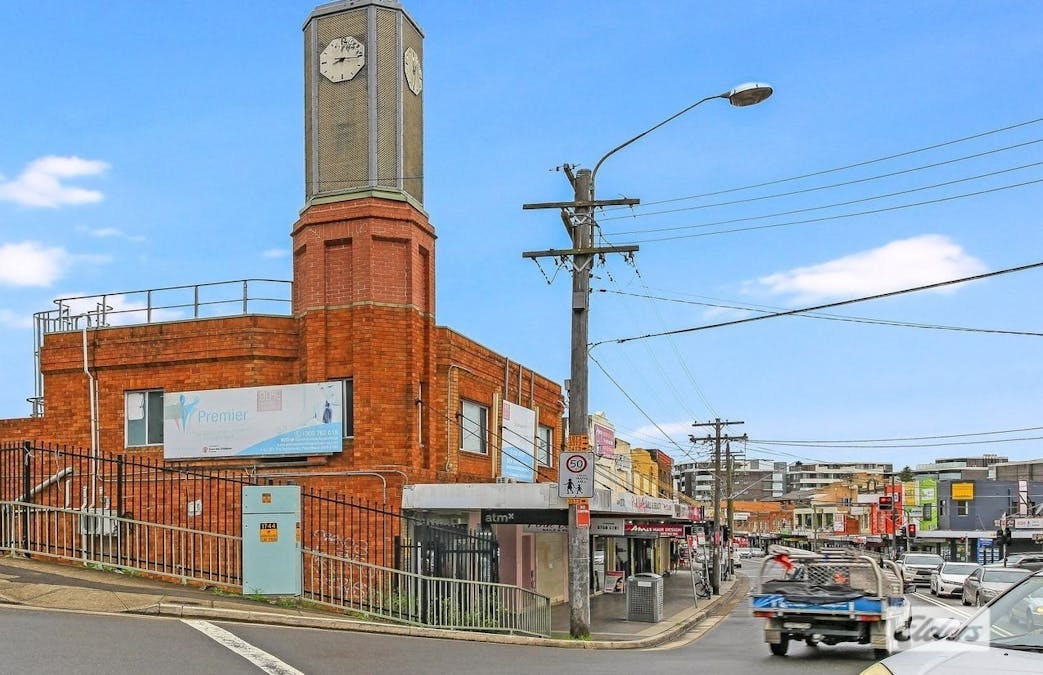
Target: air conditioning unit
<point>505,479</point>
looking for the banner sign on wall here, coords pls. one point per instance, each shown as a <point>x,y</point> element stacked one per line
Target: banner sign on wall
<point>283,420</point>
<point>518,451</point>
<point>604,441</point>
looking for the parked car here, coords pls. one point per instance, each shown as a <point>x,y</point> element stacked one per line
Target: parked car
<point>990,641</point>
<point>949,578</point>
<point>985,583</point>
<point>1011,560</point>
<point>917,568</point>
<point>1032,562</point>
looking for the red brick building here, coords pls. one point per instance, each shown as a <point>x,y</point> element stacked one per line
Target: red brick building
<point>363,306</point>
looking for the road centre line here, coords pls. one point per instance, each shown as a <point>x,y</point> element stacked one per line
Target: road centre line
<point>955,610</point>
<point>254,655</point>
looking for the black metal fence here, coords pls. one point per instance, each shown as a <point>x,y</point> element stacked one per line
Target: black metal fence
<point>108,487</point>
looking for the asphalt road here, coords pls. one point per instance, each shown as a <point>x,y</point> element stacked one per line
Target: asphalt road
<point>39,641</point>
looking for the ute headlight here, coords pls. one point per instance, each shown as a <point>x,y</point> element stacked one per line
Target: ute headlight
<point>877,669</point>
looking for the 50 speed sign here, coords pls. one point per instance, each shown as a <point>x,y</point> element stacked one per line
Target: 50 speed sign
<point>576,474</point>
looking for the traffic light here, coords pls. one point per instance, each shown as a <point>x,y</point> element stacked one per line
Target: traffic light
<point>886,503</point>
<point>912,529</point>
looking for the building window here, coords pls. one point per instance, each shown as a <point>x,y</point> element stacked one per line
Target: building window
<point>347,395</point>
<point>474,427</point>
<point>144,413</point>
<point>941,508</point>
<point>927,511</point>
<point>544,442</point>
<point>962,508</point>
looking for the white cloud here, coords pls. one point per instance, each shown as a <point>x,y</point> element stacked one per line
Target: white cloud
<point>276,253</point>
<point>905,263</point>
<point>30,263</point>
<point>109,233</point>
<point>40,183</point>
<point>646,434</point>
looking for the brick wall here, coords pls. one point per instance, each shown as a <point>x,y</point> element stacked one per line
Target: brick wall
<point>363,308</point>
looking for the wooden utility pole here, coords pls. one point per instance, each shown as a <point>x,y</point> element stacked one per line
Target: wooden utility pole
<point>717,424</point>
<point>578,216</point>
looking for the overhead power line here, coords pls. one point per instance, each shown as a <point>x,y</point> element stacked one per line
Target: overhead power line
<point>835,317</point>
<point>903,438</point>
<point>878,296</point>
<point>820,187</point>
<point>855,165</point>
<point>834,205</point>
<point>907,445</point>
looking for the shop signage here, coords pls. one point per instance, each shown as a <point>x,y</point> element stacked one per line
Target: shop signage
<point>608,527</point>
<point>281,420</point>
<point>963,492</point>
<point>600,527</point>
<point>625,502</point>
<point>525,516</point>
<point>518,433</point>
<point>1028,523</point>
<point>604,441</point>
<point>659,529</point>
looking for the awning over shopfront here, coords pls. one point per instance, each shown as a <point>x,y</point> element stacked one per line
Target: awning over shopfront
<point>506,496</point>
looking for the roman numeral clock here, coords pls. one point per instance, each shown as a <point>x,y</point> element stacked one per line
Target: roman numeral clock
<point>363,102</point>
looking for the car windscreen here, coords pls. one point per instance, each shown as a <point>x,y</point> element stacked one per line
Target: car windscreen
<point>923,560</point>
<point>1006,576</point>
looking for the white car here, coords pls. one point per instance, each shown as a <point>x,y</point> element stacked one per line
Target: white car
<point>1003,637</point>
<point>948,580</point>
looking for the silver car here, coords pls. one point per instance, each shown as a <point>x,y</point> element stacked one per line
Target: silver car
<point>986,583</point>
<point>948,580</point>
<point>1005,637</point>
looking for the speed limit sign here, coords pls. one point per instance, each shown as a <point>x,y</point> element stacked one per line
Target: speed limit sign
<point>576,474</point>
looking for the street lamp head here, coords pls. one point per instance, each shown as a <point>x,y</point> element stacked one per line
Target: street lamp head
<point>749,93</point>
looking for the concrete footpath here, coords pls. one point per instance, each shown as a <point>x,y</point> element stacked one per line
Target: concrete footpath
<point>45,585</point>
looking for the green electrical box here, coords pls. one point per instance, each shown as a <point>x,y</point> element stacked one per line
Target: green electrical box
<point>272,540</point>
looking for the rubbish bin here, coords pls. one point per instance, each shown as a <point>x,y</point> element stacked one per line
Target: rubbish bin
<point>645,597</point>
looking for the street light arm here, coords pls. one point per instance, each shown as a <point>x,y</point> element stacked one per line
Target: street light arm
<point>644,133</point>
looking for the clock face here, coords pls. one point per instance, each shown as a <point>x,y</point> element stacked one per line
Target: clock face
<point>413,71</point>
<point>342,59</point>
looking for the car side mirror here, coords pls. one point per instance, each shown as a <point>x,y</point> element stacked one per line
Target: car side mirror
<point>944,628</point>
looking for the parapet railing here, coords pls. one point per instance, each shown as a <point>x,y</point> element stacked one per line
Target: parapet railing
<point>156,305</point>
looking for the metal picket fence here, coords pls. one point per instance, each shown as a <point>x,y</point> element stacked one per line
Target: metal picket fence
<point>185,525</point>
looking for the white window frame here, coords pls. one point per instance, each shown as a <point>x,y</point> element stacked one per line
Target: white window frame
<point>544,443</point>
<point>152,419</point>
<point>963,508</point>
<point>474,428</point>
<point>347,406</point>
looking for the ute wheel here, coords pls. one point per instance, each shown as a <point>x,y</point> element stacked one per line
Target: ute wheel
<point>880,653</point>
<point>781,647</point>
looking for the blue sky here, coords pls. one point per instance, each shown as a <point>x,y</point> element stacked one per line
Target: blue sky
<point>148,145</point>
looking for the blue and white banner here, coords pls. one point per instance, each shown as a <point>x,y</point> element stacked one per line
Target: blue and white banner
<point>518,450</point>
<point>292,419</point>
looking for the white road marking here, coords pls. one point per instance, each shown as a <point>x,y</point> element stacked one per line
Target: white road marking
<point>955,610</point>
<point>258,657</point>
<point>700,629</point>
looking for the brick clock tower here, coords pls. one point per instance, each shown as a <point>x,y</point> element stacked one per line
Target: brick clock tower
<point>363,250</point>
